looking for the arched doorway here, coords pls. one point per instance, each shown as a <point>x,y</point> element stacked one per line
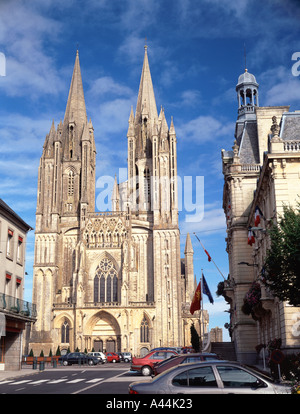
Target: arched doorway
<point>105,333</point>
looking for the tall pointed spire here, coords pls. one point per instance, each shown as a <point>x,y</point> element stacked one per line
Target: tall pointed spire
<point>188,245</point>
<point>146,104</point>
<point>76,110</point>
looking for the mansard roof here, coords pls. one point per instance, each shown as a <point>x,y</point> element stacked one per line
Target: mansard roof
<point>290,126</point>
<point>248,144</point>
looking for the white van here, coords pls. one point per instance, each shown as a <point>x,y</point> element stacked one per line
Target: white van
<point>127,356</point>
<point>101,357</point>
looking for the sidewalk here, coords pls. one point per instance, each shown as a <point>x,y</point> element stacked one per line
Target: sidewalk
<point>4,375</point>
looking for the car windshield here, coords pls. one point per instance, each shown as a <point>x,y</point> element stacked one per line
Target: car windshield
<point>167,360</point>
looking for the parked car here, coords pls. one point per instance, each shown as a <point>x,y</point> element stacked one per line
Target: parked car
<point>120,356</point>
<point>78,358</point>
<point>112,357</point>
<point>215,377</point>
<point>162,366</point>
<point>101,357</point>
<point>145,364</point>
<point>167,348</point>
<point>127,356</point>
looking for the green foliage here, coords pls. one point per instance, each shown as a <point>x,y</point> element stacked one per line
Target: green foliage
<point>42,354</point>
<point>58,351</point>
<point>282,265</point>
<point>31,353</point>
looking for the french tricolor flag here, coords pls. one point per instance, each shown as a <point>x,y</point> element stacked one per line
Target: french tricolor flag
<point>251,239</point>
<point>257,216</point>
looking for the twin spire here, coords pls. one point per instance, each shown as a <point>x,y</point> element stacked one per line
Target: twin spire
<point>146,117</point>
<point>76,110</point>
<point>146,104</point>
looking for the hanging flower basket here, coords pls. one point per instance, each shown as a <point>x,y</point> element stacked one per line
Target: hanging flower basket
<point>251,299</point>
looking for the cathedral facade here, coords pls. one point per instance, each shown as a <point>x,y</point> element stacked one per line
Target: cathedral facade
<point>111,281</point>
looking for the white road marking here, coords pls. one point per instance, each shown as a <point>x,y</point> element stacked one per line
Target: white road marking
<point>57,381</point>
<point>127,379</point>
<point>20,382</point>
<point>39,381</point>
<point>94,380</point>
<point>75,380</point>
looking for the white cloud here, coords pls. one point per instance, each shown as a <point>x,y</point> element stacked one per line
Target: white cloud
<point>29,70</point>
<point>213,221</point>
<point>107,85</point>
<point>190,97</point>
<point>204,128</point>
<point>280,86</point>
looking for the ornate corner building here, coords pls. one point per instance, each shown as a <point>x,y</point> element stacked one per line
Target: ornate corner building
<point>261,175</point>
<point>114,280</point>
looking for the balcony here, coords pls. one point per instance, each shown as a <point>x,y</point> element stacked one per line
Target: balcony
<point>17,307</point>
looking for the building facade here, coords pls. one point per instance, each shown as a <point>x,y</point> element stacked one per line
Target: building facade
<point>261,174</point>
<point>113,280</point>
<point>14,311</point>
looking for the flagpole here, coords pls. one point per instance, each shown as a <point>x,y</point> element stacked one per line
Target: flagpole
<point>201,322</point>
<point>210,257</point>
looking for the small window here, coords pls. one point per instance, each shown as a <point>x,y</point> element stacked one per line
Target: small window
<point>20,250</point>
<point>9,246</point>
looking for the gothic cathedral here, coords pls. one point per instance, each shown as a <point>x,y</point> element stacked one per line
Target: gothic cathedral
<point>111,281</point>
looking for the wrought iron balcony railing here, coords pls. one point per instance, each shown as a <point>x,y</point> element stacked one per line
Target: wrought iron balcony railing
<point>18,306</point>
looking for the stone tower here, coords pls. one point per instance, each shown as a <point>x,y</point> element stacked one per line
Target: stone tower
<point>110,280</point>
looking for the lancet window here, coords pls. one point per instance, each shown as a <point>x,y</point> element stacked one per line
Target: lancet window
<point>144,330</point>
<point>65,333</point>
<point>106,282</point>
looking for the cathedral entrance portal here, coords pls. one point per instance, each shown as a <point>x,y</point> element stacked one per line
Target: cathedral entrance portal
<point>105,333</point>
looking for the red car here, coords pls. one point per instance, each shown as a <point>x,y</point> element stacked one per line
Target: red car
<point>112,357</point>
<point>162,366</point>
<point>146,363</point>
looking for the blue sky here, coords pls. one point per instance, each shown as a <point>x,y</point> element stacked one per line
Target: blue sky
<point>196,53</point>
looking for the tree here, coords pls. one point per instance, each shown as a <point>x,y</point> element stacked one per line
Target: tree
<point>195,340</point>
<point>282,265</point>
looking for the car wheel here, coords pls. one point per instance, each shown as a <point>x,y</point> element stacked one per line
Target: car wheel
<point>146,370</point>
<point>91,362</point>
<point>114,360</point>
<point>65,363</point>
<point>126,360</point>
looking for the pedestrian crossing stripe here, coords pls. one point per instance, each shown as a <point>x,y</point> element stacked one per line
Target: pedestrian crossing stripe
<point>49,381</point>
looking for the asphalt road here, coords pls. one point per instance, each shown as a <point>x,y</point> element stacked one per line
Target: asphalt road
<point>105,379</point>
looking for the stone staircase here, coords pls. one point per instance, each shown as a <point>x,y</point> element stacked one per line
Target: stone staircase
<point>226,350</point>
